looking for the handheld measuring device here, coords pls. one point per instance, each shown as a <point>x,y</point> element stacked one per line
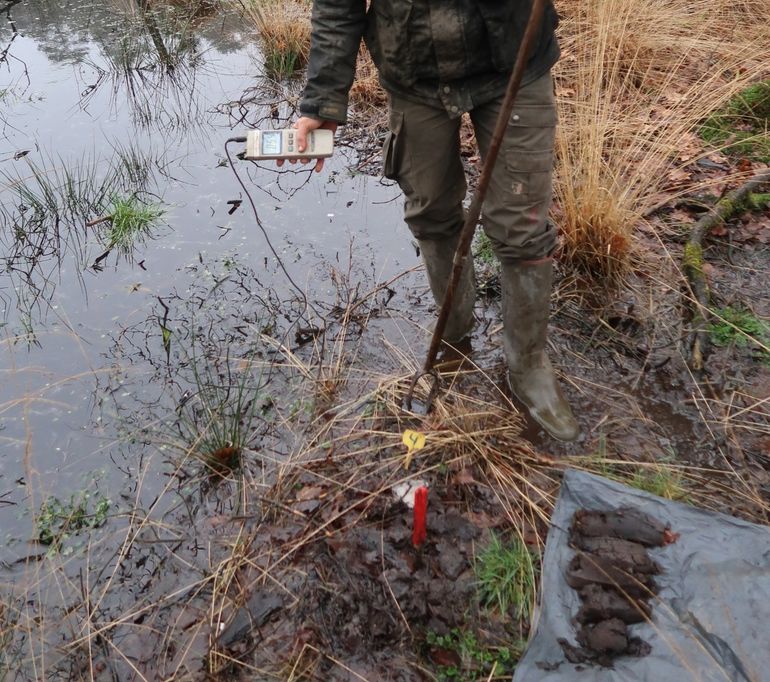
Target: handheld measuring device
<point>282,144</point>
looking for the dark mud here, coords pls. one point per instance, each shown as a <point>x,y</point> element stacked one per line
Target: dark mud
<point>614,576</point>
<point>600,603</point>
<point>591,531</point>
<point>370,601</point>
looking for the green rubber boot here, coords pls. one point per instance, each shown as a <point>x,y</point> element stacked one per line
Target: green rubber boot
<point>526,289</point>
<point>438,257</point>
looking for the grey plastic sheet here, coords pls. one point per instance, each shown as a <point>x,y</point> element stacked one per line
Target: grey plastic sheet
<point>711,618</point>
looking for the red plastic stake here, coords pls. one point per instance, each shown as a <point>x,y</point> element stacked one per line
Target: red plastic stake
<point>420,527</point>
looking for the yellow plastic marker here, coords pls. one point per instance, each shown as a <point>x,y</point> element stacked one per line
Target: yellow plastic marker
<point>414,440</point>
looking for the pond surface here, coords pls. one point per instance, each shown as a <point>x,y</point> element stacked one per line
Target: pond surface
<point>114,100</point>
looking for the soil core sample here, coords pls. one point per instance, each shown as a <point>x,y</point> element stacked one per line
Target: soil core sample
<point>613,575</point>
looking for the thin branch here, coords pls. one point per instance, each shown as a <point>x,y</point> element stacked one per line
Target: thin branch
<point>731,205</point>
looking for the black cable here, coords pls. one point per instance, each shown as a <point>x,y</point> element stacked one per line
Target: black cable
<point>307,304</point>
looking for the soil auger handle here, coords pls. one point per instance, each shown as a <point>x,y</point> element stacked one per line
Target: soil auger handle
<point>474,210</point>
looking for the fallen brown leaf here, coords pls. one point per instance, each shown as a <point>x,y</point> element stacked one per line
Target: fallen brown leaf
<point>464,477</point>
<point>484,520</point>
<point>445,657</point>
<point>678,175</point>
<point>310,492</point>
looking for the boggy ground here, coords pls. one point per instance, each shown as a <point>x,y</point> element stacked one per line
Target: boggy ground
<point>274,548</point>
<point>277,549</point>
<point>364,604</point>
<point>302,551</point>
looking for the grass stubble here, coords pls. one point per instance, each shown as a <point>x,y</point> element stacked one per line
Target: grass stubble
<point>630,95</point>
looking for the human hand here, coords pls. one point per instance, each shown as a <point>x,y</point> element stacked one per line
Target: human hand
<point>303,126</point>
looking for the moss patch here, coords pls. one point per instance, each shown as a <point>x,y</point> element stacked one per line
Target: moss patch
<point>740,327</point>
<point>693,257</point>
<point>742,128</point>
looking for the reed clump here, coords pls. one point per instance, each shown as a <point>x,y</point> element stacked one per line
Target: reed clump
<point>634,84</point>
<point>284,30</point>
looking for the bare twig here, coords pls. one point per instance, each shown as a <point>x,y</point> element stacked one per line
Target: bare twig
<point>100,219</point>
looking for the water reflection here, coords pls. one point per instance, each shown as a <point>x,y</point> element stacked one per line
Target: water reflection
<point>65,30</point>
<point>141,73</point>
<point>67,161</point>
<point>151,69</point>
<point>147,56</point>
<point>49,209</point>
<point>205,357</point>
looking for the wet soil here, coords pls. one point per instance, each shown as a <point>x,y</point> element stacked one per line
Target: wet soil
<point>614,576</point>
<point>368,599</point>
<point>591,531</point>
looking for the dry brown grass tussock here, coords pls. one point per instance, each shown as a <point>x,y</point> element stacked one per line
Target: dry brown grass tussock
<point>634,83</point>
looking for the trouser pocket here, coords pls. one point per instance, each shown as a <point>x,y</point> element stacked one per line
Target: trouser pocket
<point>519,195</point>
<point>392,148</point>
<point>422,153</point>
<point>528,176</point>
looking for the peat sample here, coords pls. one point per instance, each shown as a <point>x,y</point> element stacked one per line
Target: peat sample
<point>624,523</point>
<point>614,577</point>
<point>600,604</point>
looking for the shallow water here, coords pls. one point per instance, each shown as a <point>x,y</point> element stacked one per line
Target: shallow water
<point>81,81</point>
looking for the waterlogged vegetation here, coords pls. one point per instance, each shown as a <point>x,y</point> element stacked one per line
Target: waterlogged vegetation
<point>57,196</point>
<point>55,207</point>
<point>284,32</point>
<point>220,418</point>
<point>158,54</point>
<point>57,522</point>
<point>131,221</point>
<point>215,335</point>
<point>247,524</point>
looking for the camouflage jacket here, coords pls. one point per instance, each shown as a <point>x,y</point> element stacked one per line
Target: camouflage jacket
<point>418,45</point>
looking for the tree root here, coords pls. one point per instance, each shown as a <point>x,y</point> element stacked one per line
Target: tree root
<point>729,206</point>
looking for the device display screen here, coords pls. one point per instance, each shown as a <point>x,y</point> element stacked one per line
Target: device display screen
<point>271,142</point>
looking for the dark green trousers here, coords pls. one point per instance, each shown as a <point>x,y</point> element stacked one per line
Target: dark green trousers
<point>422,153</point>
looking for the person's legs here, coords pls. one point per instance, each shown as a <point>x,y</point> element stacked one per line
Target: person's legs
<point>422,153</point>
<point>515,212</point>
<point>516,222</point>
